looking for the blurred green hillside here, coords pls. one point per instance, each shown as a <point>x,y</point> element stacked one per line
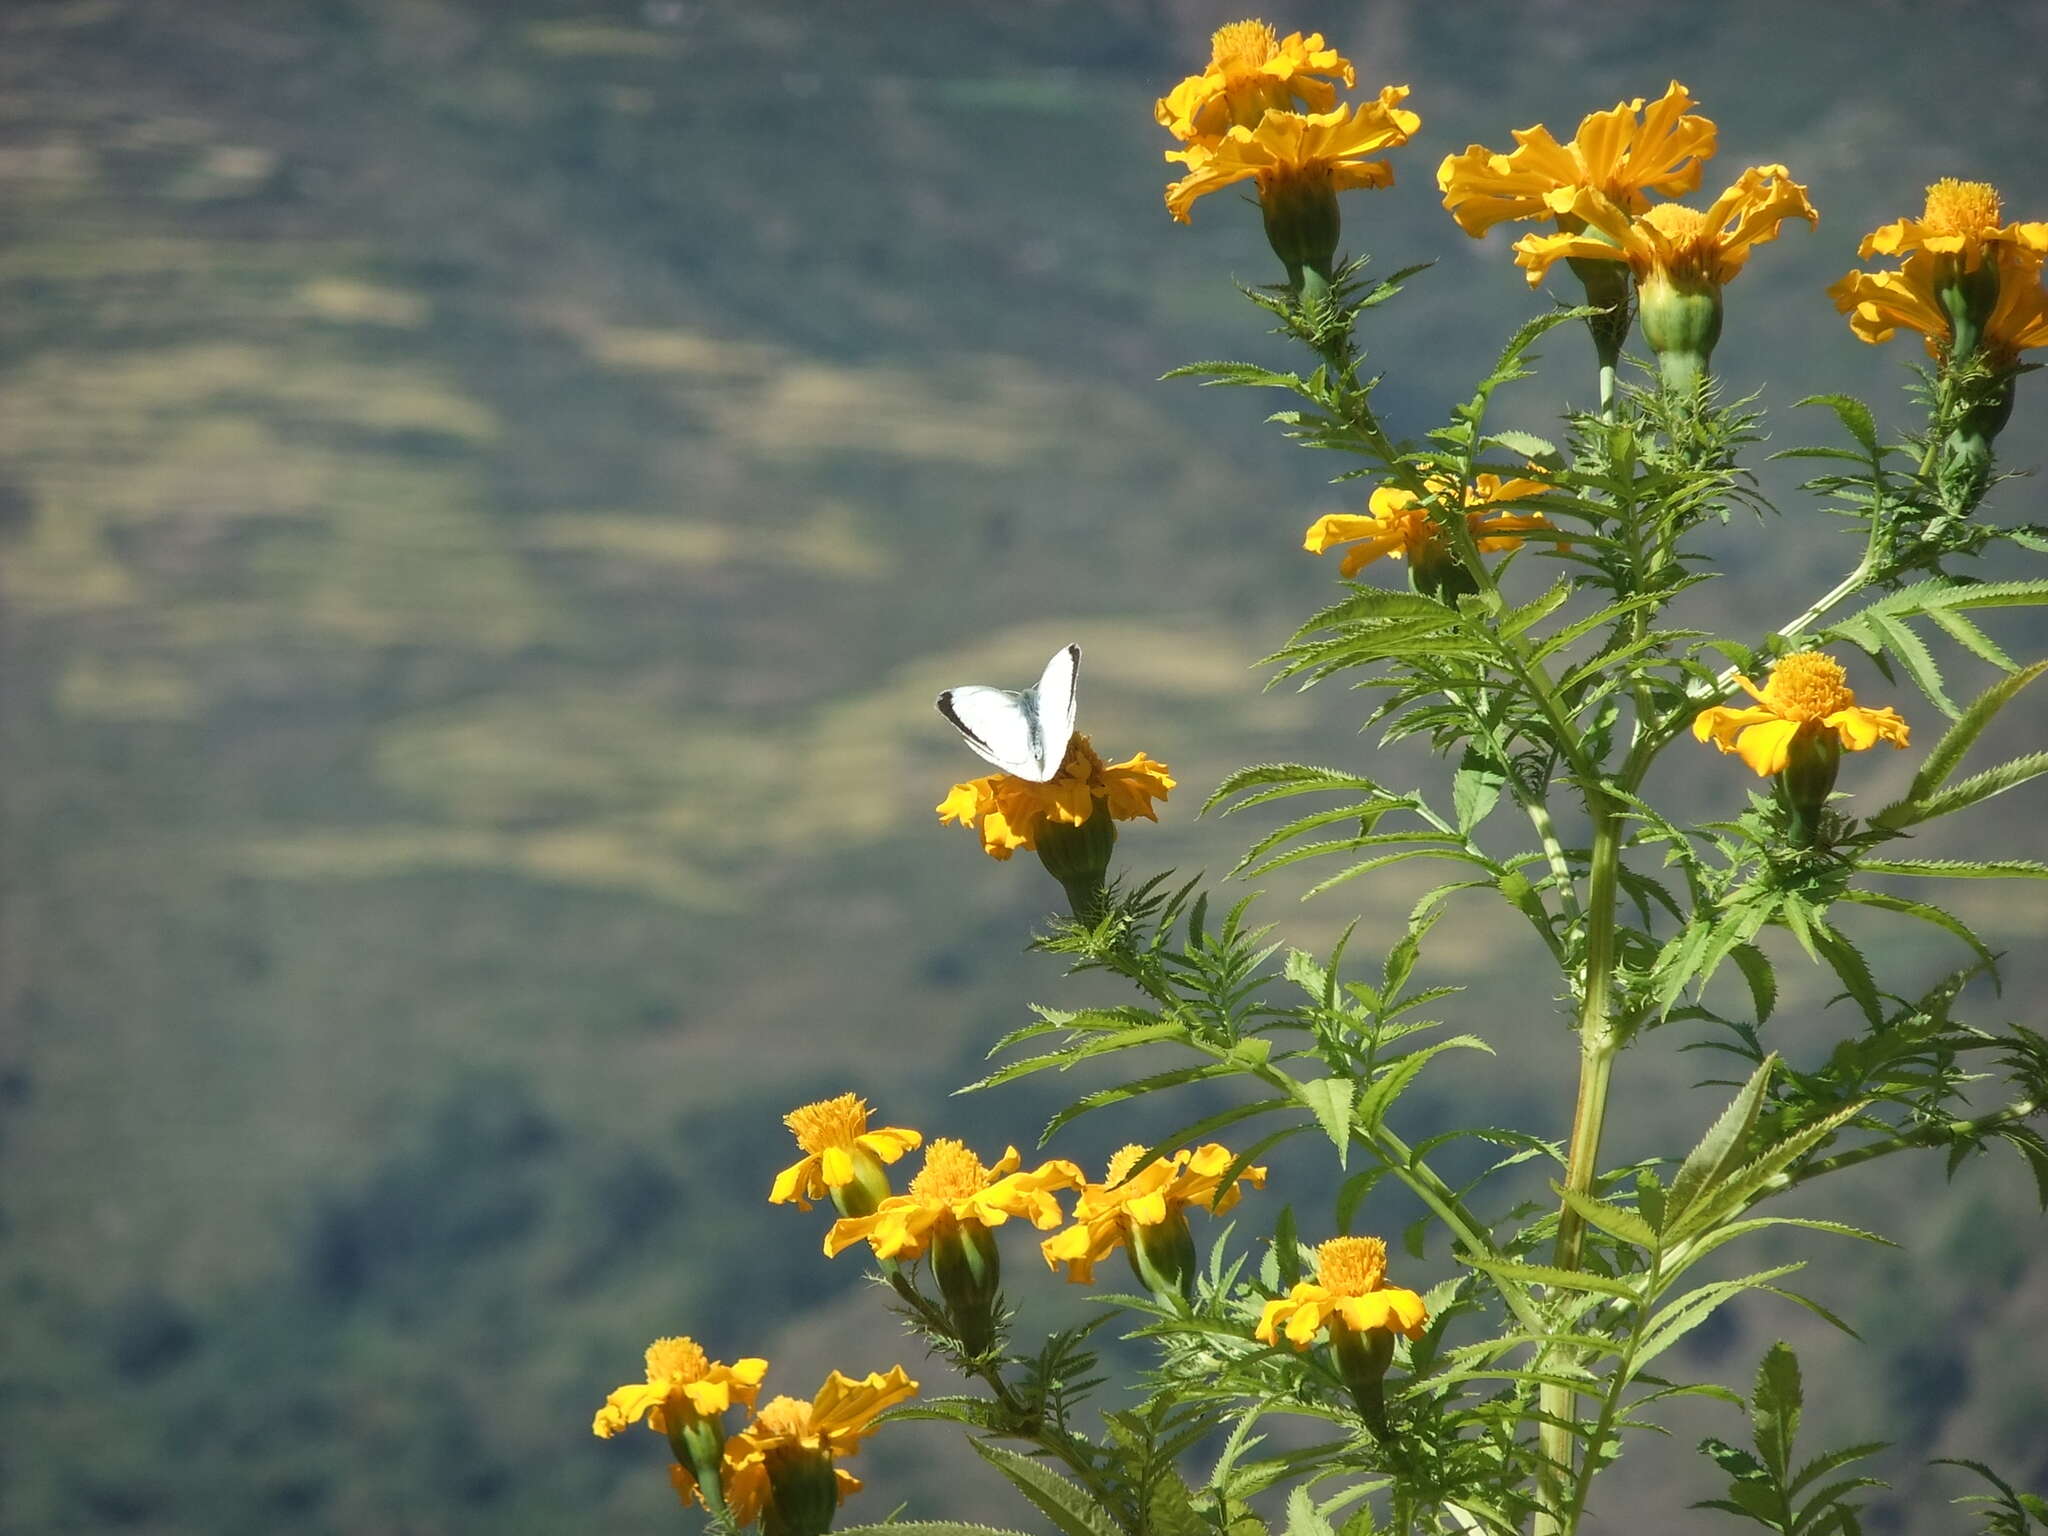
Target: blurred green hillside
<point>488,491</point>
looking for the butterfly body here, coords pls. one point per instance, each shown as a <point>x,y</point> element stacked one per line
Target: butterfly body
<point>1023,733</point>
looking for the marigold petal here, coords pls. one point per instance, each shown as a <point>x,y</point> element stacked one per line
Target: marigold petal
<point>1723,724</point>
<point>796,1183</point>
<point>1767,747</point>
<point>890,1142</point>
<point>1860,728</point>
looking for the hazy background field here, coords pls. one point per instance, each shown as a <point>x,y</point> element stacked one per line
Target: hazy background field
<point>488,490</point>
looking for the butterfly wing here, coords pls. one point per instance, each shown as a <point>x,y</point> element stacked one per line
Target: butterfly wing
<point>1059,700</point>
<point>999,725</point>
<point>1024,734</point>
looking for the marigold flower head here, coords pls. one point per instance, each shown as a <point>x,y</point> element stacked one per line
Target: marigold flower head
<point>1960,221</point>
<point>1011,813</point>
<point>835,1139</point>
<point>1806,699</point>
<point>1878,304</point>
<point>1298,157</point>
<point>1350,1287</point>
<point>683,1382</point>
<point>1113,1214</point>
<point>1252,70</point>
<point>1397,524</point>
<point>1670,243</point>
<point>955,1188</point>
<point>1622,154</point>
<point>790,1451</point>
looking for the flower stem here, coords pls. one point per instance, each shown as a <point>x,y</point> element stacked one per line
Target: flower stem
<point>1599,1043</point>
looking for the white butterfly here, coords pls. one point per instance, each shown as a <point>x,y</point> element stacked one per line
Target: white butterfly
<point>1026,733</point>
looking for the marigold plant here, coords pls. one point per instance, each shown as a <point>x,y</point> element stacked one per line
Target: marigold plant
<point>1505,600</point>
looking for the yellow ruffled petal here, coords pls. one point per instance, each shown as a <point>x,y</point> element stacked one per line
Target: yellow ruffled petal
<point>1308,1319</point>
<point>799,1182</point>
<point>890,1142</point>
<point>1723,724</point>
<point>1391,1307</point>
<point>1860,729</point>
<point>1767,747</point>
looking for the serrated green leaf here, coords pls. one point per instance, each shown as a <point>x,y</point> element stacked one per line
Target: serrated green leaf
<point>1926,912</point>
<point>1775,1408</point>
<point>1475,789</point>
<point>1330,1099</point>
<point>1379,1097</point>
<point>1918,661</point>
<point>1960,869</point>
<point>1720,1151</point>
<point>1064,1503</point>
<point>1527,444</point>
<point>1615,1220</point>
<point>1855,417</point>
<point>1550,1275</point>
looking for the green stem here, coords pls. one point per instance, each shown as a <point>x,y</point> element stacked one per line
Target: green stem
<point>1599,1043</point>
<point>1924,1136</point>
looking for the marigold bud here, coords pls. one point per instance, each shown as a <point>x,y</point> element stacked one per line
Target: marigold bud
<point>1078,857</point>
<point>1362,1358</point>
<point>1302,221</point>
<point>1162,1255</point>
<point>1811,763</point>
<point>1681,315</point>
<point>968,1269</point>
<point>803,1491</point>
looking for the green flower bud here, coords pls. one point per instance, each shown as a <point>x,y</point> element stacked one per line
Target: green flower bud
<point>1302,221</point>
<point>803,1492</point>
<point>968,1270</point>
<point>1162,1256</point>
<point>1078,857</point>
<point>1681,318</point>
<point>1811,763</point>
<point>1362,1360</point>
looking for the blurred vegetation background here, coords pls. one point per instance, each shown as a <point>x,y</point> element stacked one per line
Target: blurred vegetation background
<point>488,490</point>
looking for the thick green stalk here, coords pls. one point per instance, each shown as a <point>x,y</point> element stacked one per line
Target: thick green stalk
<point>1598,1046</point>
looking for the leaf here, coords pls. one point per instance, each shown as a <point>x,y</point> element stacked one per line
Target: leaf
<point>1947,755</point>
<point>1927,912</point>
<point>1286,779</point>
<point>1855,417</point>
<point>1527,444</point>
<point>1615,1220</point>
<point>1720,1151</point>
<point>1374,1103</point>
<point>1966,792</point>
<point>1475,789</point>
<point>925,1528</point>
<point>1916,658</point>
<point>1847,962</point>
<point>1777,1403</point>
<point>1066,1504</point>
<point>1550,1275</point>
<point>1960,869</point>
<point>1763,980</point>
<point>1330,1098</point>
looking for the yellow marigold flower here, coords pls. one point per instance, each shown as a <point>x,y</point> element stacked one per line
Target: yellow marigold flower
<point>1252,70</point>
<point>1879,303</point>
<point>1673,244</point>
<point>1622,154</point>
<point>1013,813</point>
<point>838,1150</point>
<point>1396,524</point>
<point>952,1190</point>
<point>681,1382</point>
<point>1134,1211</point>
<point>786,1461</point>
<point>1298,158</point>
<point>1350,1287</point>
<point>1961,219</point>
<point>1806,700</point>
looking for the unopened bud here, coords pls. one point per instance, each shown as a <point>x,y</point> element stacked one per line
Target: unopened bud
<point>1682,323</point>
<point>968,1270</point>
<point>1362,1360</point>
<point>1302,221</point>
<point>1162,1255</point>
<point>1078,857</point>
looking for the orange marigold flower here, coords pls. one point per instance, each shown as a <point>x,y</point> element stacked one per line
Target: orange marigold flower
<point>1622,154</point>
<point>1961,219</point>
<point>1118,1212</point>
<point>1396,524</point>
<point>1672,245</point>
<point>1298,157</point>
<point>837,1145</point>
<point>789,1454</point>
<point>1878,304</point>
<point>1252,70</point>
<point>1350,1287</point>
<point>1011,813</point>
<point>955,1189</point>
<point>1806,699</point>
<point>682,1382</point>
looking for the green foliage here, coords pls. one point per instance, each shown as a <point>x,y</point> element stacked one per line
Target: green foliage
<point>1765,1487</point>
